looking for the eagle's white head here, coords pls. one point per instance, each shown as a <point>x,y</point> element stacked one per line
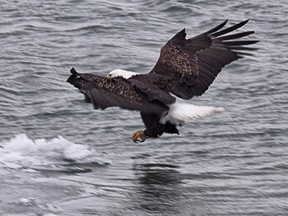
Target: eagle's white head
<point>122,73</point>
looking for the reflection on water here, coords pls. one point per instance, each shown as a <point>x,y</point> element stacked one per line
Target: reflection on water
<point>158,187</point>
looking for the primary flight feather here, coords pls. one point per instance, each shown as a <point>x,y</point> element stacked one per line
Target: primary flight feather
<point>185,68</point>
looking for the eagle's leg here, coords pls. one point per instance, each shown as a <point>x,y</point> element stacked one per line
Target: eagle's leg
<point>139,136</point>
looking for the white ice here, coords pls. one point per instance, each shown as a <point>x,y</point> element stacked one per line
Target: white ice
<point>23,152</point>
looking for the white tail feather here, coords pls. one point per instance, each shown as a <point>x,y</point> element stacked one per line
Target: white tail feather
<point>181,113</point>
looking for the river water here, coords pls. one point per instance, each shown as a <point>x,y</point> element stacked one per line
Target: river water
<point>58,156</point>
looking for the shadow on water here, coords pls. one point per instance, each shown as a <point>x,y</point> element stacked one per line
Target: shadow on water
<point>70,167</point>
<point>158,188</point>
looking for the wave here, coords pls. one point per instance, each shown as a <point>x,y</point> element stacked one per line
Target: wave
<point>58,154</point>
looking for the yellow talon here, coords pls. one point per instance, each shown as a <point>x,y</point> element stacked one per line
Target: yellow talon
<point>139,136</point>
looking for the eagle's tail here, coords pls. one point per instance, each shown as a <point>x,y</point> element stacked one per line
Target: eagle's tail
<point>73,79</point>
<point>73,75</point>
<point>180,113</point>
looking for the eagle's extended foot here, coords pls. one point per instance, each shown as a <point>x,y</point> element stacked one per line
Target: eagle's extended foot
<point>139,136</point>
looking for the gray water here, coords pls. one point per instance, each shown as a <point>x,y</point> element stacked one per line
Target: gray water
<point>58,156</point>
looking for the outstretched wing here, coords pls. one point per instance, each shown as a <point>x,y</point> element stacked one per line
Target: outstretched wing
<point>191,65</point>
<point>105,92</point>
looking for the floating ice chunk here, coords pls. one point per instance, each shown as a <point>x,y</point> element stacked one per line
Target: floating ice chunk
<point>30,201</point>
<point>23,152</point>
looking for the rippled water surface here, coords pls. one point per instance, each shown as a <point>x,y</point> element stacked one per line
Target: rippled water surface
<point>58,156</point>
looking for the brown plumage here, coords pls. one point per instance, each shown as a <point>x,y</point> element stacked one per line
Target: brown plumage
<point>185,68</point>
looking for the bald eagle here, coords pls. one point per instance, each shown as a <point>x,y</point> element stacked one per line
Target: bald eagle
<point>185,68</point>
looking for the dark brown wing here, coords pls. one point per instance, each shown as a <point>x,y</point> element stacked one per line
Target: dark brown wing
<point>191,65</point>
<point>105,92</point>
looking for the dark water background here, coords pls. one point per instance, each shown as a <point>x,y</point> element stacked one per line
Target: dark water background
<point>60,157</point>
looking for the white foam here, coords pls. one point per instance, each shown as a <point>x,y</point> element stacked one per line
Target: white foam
<point>23,152</point>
